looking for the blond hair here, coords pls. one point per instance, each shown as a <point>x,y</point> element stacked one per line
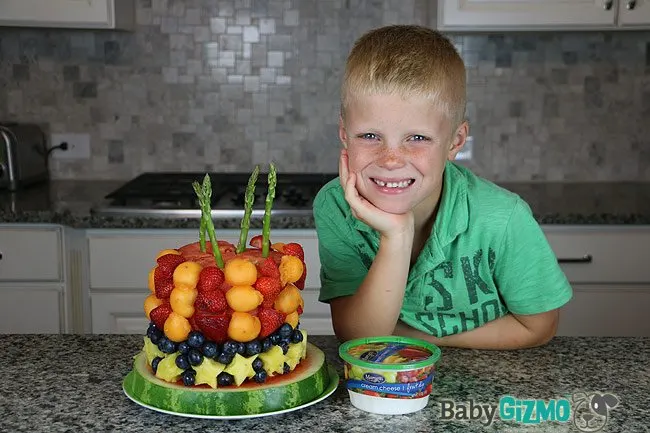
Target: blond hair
<point>409,60</point>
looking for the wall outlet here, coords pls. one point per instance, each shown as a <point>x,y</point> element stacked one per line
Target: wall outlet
<point>78,146</point>
<point>466,152</point>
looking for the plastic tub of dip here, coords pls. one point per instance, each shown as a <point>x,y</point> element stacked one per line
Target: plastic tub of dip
<point>389,375</point>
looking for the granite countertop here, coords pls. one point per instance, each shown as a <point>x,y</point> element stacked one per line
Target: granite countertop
<point>70,203</point>
<point>61,383</point>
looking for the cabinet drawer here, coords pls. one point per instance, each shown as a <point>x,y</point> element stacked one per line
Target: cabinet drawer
<point>123,313</point>
<point>30,254</point>
<point>123,260</point>
<point>30,311</point>
<point>602,255</point>
<point>606,311</point>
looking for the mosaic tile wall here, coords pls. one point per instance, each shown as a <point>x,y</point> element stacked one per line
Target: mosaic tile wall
<point>222,85</point>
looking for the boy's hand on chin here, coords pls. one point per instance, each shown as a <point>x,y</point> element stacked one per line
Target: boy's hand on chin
<point>387,224</point>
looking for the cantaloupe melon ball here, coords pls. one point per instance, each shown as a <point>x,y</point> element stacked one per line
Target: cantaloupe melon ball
<point>187,274</point>
<point>240,272</point>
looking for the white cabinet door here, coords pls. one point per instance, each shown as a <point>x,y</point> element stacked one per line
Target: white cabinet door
<point>118,313</point>
<point>123,313</point>
<point>30,253</point>
<point>27,310</point>
<point>110,14</point>
<point>120,261</point>
<point>634,13</point>
<point>524,14</point>
<point>606,311</point>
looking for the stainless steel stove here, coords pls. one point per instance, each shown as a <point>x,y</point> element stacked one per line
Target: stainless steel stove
<point>170,195</point>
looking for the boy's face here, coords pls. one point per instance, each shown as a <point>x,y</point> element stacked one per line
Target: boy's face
<point>398,148</point>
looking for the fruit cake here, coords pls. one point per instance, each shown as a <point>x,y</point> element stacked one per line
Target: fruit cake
<point>228,318</point>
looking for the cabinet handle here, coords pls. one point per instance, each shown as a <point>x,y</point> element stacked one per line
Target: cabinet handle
<point>631,4</point>
<point>0,255</point>
<point>587,258</point>
<point>607,4</point>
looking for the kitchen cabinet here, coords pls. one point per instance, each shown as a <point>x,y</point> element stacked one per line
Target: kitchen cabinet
<point>609,271</point>
<point>87,14</point>
<point>534,15</point>
<point>32,284</point>
<point>120,260</point>
<point>634,13</point>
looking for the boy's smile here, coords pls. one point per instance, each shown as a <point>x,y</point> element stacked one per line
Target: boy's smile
<point>398,148</point>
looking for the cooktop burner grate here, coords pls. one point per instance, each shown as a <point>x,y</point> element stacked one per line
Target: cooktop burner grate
<point>174,191</point>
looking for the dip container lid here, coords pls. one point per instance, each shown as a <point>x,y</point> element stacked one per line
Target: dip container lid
<point>405,342</point>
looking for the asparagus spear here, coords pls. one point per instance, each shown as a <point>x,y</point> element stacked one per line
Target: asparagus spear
<point>205,196</point>
<point>199,194</point>
<point>249,198</point>
<point>266,226</point>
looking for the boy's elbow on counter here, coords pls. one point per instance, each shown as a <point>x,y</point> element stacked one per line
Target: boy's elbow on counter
<point>544,335</point>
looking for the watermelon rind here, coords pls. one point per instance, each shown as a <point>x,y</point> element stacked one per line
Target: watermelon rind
<point>144,388</point>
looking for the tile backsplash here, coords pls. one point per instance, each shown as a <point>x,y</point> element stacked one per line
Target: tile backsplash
<point>222,85</point>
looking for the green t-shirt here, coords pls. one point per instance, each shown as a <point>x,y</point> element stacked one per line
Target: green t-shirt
<point>486,256</point>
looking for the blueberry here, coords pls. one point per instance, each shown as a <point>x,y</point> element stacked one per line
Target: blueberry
<point>195,339</point>
<point>182,362</point>
<point>183,347</point>
<point>210,349</point>
<point>285,347</point>
<point>225,358</point>
<point>285,330</point>
<point>285,340</point>
<point>260,376</point>
<point>266,344</point>
<point>225,379</point>
<point>156,335</point>
<point>154,363</point>
<point>286,368</point>
<point>195,357</point>
<point>296,337</point>
<point>257,364</point>
<point>166,345</point>
<point>253,348</point>
<point>275,338</point>
<point>151,328</point>
<point>241,348</point>
<point>188,377</point>
<point>230,347</point>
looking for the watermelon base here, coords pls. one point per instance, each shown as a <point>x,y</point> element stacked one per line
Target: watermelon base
<point>312,381</point>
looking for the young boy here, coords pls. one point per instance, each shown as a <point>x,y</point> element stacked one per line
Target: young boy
<point>410,243</point>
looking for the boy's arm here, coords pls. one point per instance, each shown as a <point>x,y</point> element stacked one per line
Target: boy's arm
<point>374,308</point>
<point>508,332</point>
<point>531,284</point>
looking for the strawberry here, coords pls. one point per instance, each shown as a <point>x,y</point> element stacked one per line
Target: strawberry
<point>163,282</point>
<point>299,310</point>
<point>269,268</point>
<point>213,326</point>
<point>213,301</point>
<point>269,288</point>
<point>170,261</point>
<point>210,279</point>
<point>256,241</point>
<point>301,281</point>
<point>294,249</point>
<point>159,314</point>
<point>270,319</point>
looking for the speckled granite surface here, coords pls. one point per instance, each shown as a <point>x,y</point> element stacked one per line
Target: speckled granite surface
<point>73,383</point>
<point>70,203</point>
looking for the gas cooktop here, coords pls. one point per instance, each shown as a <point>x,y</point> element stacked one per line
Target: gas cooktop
<point>171,195</point>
